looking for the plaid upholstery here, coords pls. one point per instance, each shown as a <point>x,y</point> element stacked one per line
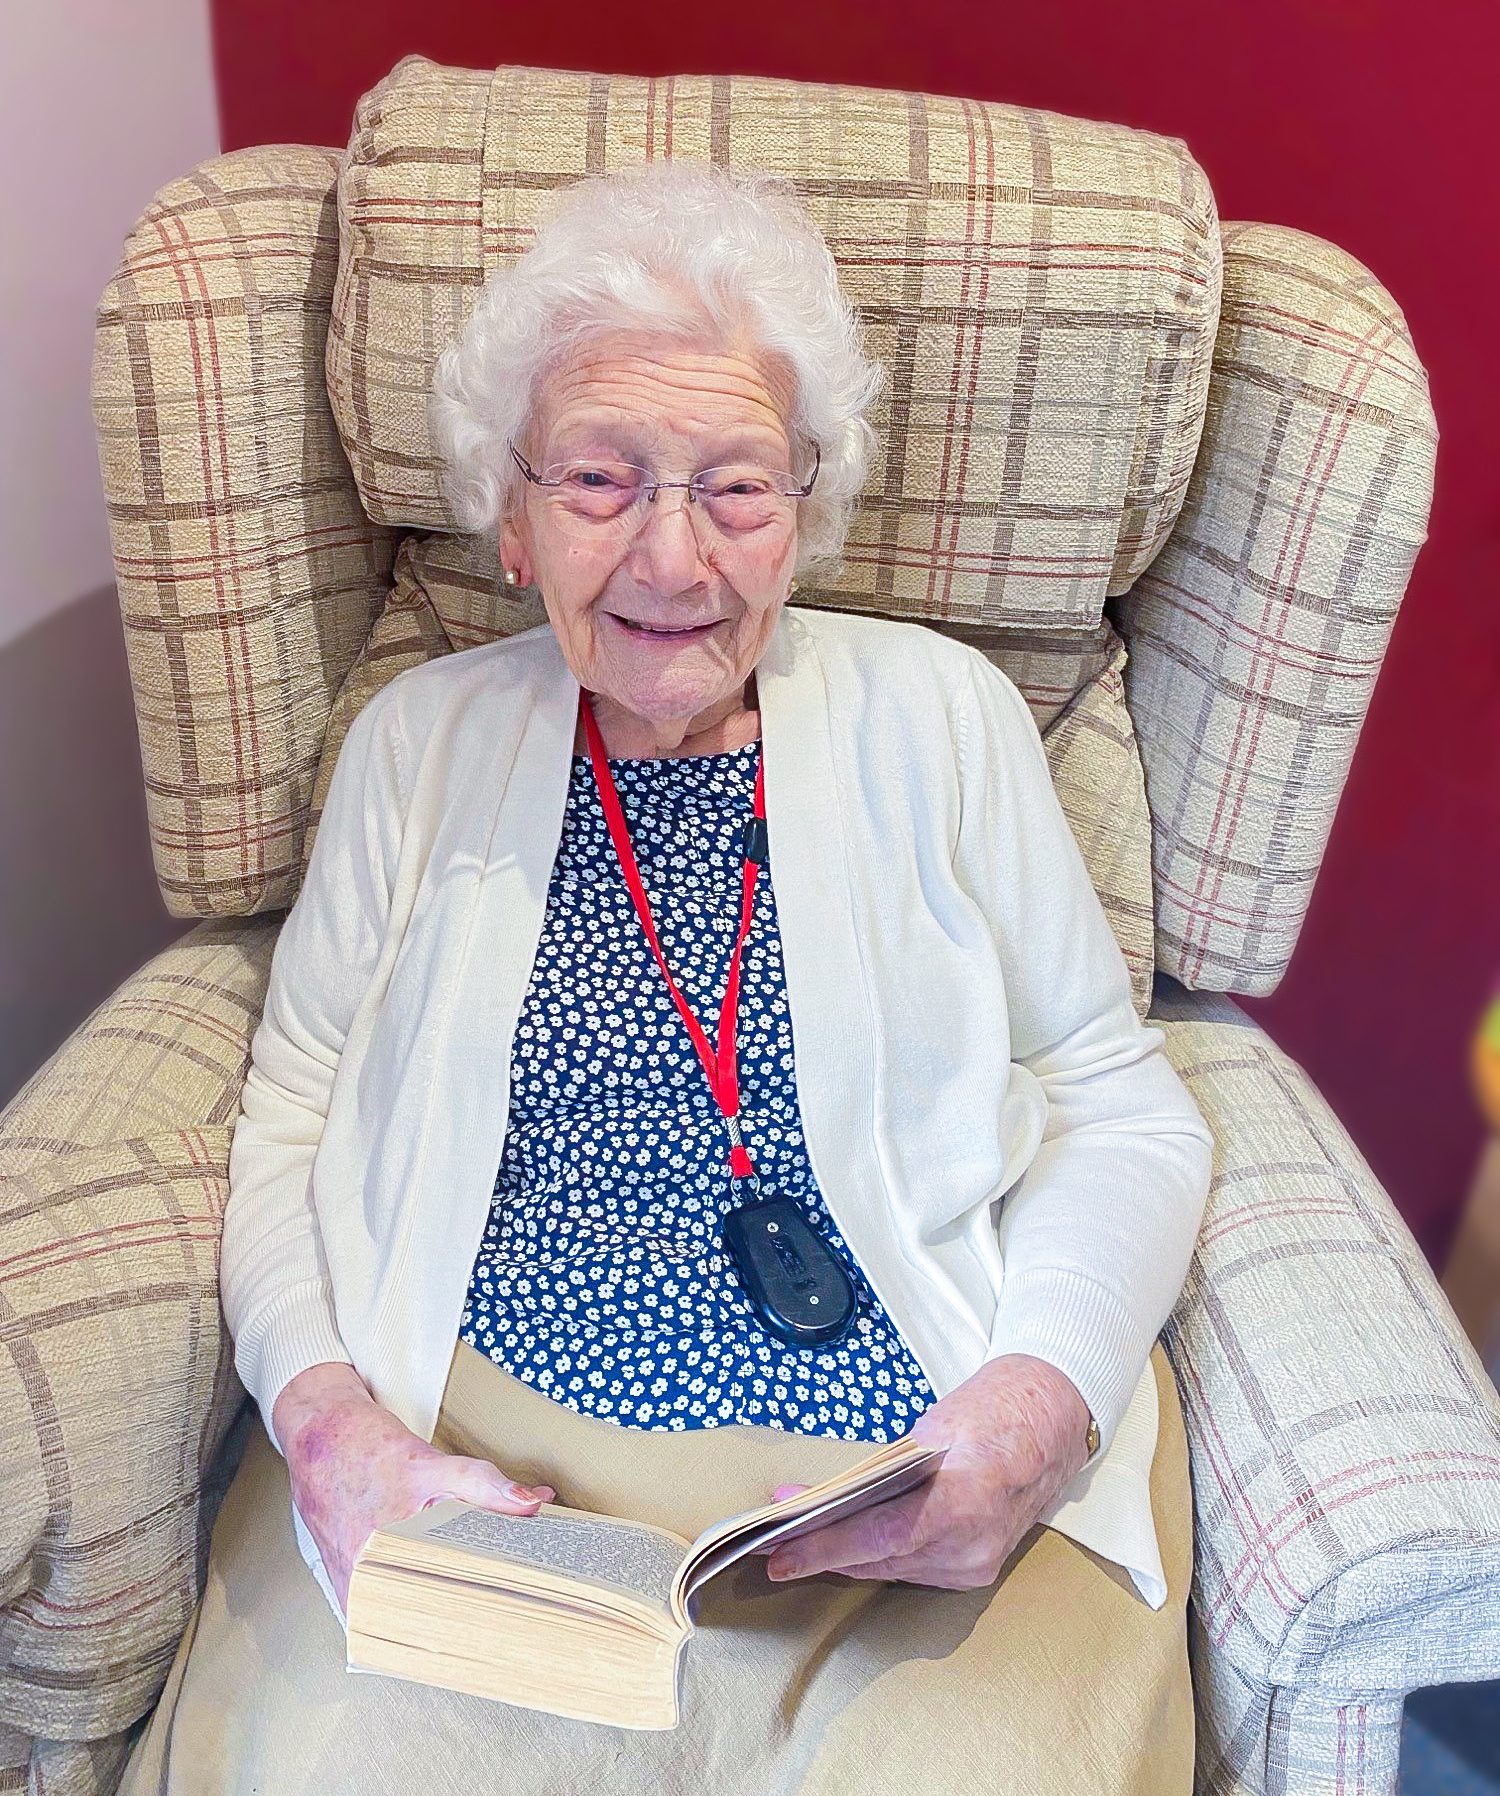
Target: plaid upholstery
<point>1044,290</point>
<point>406,633</point>
<point>1096,770</point>
<point>115,1393</point>
<point>167,1050</point>
<point>1044,435</point>
<point>117,1387</point>
<point>1088,736</point>
<point>1257,633</point>
<point>248,574</point>
<point>61,1767</point>
<point>1345,1438</point>
<point>1254,1741</point>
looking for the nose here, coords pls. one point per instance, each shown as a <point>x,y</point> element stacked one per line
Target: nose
<point>669,541</point>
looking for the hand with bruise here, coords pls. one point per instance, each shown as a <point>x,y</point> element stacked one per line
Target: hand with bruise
<point>355,1467</point>
<point>1015,1432</point>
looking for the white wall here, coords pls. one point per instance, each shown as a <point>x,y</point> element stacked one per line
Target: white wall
<point>101,103</point>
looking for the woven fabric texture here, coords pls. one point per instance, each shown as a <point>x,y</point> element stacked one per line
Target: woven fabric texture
<point>1345,1438</point>
<point>167,1050</point>
<point>62,1767</point>
<point>1257,633</point>
<point>114,1400</point>
<point>248,574</point>
<point>118,1392</point>
<point>1043,289</point>
<point>1079,441</point>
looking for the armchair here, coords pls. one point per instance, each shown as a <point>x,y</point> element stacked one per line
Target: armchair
<point>1170,472</point>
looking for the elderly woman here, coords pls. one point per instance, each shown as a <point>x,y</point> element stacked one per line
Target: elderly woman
<point>621,938</point>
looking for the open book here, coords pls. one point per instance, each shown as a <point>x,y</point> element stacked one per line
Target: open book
<point>580,1614</point>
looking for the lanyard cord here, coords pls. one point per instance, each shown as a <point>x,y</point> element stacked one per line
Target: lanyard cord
<point>722,1069</point>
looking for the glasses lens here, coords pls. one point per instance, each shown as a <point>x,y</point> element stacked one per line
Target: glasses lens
<point>735,498</point>
<point>597,490</point>
<point>742,497</point>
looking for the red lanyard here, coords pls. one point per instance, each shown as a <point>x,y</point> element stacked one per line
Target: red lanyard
<point>723,1073</point>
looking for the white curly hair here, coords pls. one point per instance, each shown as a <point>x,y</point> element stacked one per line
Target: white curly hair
<point>687,252</point>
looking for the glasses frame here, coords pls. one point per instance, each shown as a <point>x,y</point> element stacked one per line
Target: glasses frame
<point>654,486</point>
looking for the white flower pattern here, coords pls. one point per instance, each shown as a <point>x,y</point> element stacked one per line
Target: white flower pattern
<point>600,1279</point>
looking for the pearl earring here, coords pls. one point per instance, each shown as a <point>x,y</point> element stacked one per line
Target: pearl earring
<point>512,575</point>
<point>793,587</point>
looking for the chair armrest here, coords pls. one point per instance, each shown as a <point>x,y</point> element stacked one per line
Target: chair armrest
<point>121,1416</point>
<point>1344,1436</point>
<point>168,1049</point>
<point>116,1392</point>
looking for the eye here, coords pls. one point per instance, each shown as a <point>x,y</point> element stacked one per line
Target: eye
<point>599,479</point>
<point>741,498</point>
<point>595,489</point>
<point>735,482</point>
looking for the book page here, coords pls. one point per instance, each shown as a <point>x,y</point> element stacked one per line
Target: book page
<point>846,1494</point>
<point>640,1560</point>
<point>649,1565</point>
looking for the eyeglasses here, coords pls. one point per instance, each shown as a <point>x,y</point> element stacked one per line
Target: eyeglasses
<point>736,497</point>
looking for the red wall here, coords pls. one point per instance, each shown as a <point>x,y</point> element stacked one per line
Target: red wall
<point>1367,122</point>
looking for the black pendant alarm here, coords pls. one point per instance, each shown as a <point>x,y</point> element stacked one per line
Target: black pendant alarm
<point>794,1282</point>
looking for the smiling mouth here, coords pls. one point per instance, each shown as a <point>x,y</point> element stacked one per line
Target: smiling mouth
<point>663,632</point>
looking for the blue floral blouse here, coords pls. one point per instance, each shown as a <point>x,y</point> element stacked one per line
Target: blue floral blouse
<point>600,1279</point>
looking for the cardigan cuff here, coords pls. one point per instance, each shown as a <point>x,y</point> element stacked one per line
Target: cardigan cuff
<point>1079,1326</point>
<point>298,1330</point>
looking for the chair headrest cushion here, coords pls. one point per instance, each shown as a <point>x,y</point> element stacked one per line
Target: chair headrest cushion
<point>1044,289</point>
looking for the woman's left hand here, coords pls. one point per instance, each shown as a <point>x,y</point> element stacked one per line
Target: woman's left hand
<point>1015,1433</point>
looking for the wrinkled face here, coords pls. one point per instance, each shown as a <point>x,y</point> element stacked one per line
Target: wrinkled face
<point>675,411</point>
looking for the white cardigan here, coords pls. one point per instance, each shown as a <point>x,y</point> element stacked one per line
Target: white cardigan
<point>961,1019</point>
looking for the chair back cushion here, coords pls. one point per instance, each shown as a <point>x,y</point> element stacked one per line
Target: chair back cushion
<point>1044,291</point>
<point>1067,450</point>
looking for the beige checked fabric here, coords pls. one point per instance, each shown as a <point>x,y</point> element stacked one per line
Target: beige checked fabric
<point>248,573</point>
<point>117,1387</point>
<point>1345,1439</point>
<point>115,1395</point>
<point>1043,289</point>
<point>1257,633</point>
<point>168,1050</point>
<point>1062,458</point>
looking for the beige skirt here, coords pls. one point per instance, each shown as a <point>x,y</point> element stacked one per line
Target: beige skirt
<point>1056,1678</point>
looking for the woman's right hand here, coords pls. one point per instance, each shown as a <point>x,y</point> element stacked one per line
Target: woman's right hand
<point>355,1467</point>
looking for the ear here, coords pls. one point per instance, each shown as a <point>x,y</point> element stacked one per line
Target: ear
<point>514,553</point>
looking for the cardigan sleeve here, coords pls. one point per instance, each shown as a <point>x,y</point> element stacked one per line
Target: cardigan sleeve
<point>275,1289</point>
<point>1098,1231</point>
